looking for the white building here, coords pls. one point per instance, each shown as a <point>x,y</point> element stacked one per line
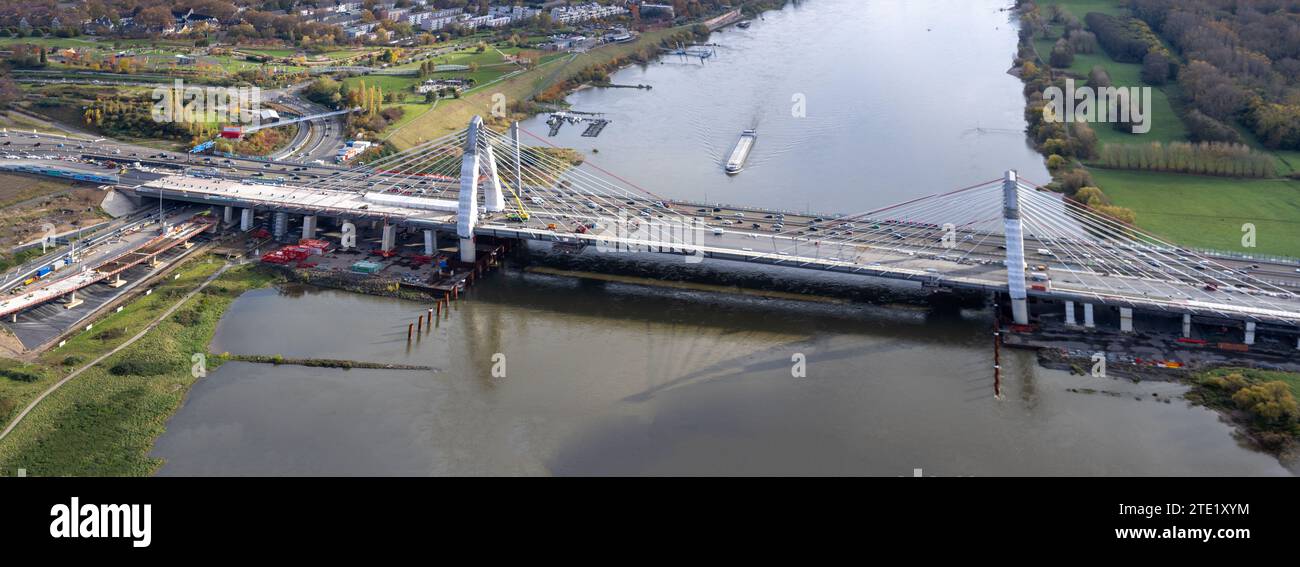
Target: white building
<point>440,19</point>
<point>488,21</point>
<point>437,23</point>
<point>515,13</point>
<point>359,30</point>
<point>584,12</point>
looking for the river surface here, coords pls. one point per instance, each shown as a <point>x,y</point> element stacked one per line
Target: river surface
<point>900,99</point>
<point>903,99</point>
<point>623,379</point>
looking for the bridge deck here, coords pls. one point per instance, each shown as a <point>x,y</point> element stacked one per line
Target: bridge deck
<point>59,285</point>
<point>913,255</point>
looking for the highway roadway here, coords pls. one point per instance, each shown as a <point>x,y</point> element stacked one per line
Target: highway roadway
<point>317,139</point>
<point>114,249</point>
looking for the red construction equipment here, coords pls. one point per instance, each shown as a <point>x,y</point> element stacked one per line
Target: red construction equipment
<point>286,255</point>
<point>315,245</point>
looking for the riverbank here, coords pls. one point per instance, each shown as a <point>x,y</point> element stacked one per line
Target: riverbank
<point>553,81</point>
<point>1261,404</point>
<point>104,421</point>
<point>549,81</point>
<point>1265,417</point>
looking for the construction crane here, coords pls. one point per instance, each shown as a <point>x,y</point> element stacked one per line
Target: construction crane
<point>522,215</point>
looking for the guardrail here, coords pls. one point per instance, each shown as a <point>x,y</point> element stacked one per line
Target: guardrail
<point>1240,256</point>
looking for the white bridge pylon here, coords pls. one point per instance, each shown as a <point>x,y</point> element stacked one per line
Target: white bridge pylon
<point>478,160</point>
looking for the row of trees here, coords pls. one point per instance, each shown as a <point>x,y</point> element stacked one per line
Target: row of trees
<point>1062,143</point>
<point>1205,158</point>
<point>1127,40</point>
<point>1243,61</point>
<point>1077,184</point>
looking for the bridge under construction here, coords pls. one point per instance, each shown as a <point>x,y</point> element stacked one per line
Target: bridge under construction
<point>1004,235</point>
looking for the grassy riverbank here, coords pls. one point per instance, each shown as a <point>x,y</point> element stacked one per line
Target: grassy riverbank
<point>104,421</point>
<point>1261,402</point>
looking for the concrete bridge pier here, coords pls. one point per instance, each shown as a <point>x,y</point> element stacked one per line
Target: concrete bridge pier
<point>1126,319</point>
<point>309,226</point>
<point>246,220</point>
<point>227,215</point>
<point>430,242</point>
<point>1069,314</point>
<point>467,251</point>
<point>1187,326</point>
<point>1088,321</point>
<point>72,302</point>
<point>280,225</point>
<point>389,239</point>
<point>1250,332</point>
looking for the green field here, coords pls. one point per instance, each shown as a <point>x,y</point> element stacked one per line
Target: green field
<point>390,84</point>
<point>1210,211</point>
<point>411,112</point>
<point>270,52</point>
<point>1081,7</point>
<point>345,54</point>
<point>104,424</point>
<point>1191,210</point>
<point>57,42</point>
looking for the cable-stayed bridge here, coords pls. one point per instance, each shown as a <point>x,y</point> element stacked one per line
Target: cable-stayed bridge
<point>1002,235</point>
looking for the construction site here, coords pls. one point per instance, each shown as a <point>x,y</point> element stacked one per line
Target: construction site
<point>364,265</point>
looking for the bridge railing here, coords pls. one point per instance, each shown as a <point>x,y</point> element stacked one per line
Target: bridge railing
<point>1241,256</point>
<point>721,205</point>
